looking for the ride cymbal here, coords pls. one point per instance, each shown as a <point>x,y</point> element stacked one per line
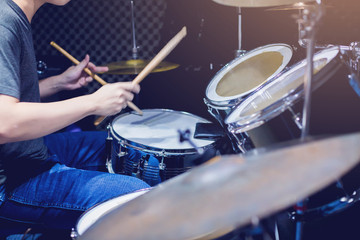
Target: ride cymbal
<point>259,3</point>
<point>135,66</point>
<point>213,199</point>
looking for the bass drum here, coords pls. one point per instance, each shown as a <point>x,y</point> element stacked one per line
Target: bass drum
<point>91,216</point>
<point>150,147</point>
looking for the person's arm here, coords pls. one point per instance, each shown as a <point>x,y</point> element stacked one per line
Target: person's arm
<point>73,78</point>
<point>23,121</point>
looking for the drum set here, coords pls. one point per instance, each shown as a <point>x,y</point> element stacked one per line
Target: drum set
<point>263,107</point>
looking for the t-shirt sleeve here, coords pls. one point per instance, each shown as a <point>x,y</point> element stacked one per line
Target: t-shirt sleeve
<point>10,57</point>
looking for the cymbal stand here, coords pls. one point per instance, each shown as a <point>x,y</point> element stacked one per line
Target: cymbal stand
<point>239,52</point>
<point>310,16</point>
<point>135,47</point>
<point>350,56</point>
<point>307,31</point>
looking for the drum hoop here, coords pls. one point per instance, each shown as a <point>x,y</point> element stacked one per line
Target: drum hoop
<point>222,105</point>
<point>154,150</point>
<point>145,190</point>
<point>157,151</point>
<point>226,101</point>
<point>281,105</point>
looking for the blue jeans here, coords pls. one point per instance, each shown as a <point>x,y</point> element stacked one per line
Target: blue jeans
<point>57,197</point>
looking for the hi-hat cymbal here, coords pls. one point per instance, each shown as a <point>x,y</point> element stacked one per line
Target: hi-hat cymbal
<point>213,199</point>
<point>259,3</point>
<point>135,66</point>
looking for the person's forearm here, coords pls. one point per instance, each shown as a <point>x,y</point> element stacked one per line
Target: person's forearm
<point>25,121</point>
<point>49,86</point>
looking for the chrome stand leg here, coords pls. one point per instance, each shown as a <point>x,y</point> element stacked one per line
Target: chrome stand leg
<point>309,21</point>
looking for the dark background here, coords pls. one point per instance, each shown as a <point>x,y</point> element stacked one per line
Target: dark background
<point>103,29</point>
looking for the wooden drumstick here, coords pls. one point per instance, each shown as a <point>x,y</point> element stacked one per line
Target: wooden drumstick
<point>94,76</point>
<point>161,55</point>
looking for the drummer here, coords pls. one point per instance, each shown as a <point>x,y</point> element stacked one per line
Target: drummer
<point>51,179</point>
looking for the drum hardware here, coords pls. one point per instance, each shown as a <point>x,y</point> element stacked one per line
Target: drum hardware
<point>155,136</point>
<point>241,77</point>
<point>121,152</point>
<point>308,22</point>
<point>241,142</point>
<point>185,136</point>
<point>296,117</point>
<point>135,47</point>
<point>354,82</point>
<point>330,66</point>
<point>227,194</point>
<point>108,150</point>
<point>307,31</point>
<point>261,114</point>
<point>351,58</point>
<point>162,166</point>
<point>328,209</point>
<point>136,65</point>
<point>73,234</point>
<point>239,52</point>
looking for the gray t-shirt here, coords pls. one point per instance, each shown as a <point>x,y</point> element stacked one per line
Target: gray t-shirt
<point>19,79</point>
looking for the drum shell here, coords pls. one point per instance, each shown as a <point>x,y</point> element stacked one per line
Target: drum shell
<point>175,163</point>
<point>279,129</point>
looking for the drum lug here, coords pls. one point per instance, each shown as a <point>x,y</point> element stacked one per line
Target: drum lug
<point>108,146</point>
<point>73,234</point>
<point>162,166</point>
<point>121,153</point>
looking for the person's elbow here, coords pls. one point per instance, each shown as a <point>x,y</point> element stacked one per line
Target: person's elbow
<point>6,133</point>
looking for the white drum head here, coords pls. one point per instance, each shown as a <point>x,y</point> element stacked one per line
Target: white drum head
<point>274,97</point>
<point>95,213</point>
<point>158,128</point>
<point>245,74</point>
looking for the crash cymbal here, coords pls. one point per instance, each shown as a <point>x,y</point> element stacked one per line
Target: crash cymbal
<point>258,3</point>
<point>135,66</point>
<point>213,199</point>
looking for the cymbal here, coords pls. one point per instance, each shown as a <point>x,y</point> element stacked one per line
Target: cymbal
<point>258,3</point>
<point>213,199</point>
<point>296,6</point>
<point>135,66</point>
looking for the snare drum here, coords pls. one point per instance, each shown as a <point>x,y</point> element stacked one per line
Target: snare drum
<point>92,215</point>
<point>273,113</point>
<point>149,146</point>
<point>244,75</point>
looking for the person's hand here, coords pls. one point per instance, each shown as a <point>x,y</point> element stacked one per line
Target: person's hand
<point>110,99</point>
<point>75,77</point>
